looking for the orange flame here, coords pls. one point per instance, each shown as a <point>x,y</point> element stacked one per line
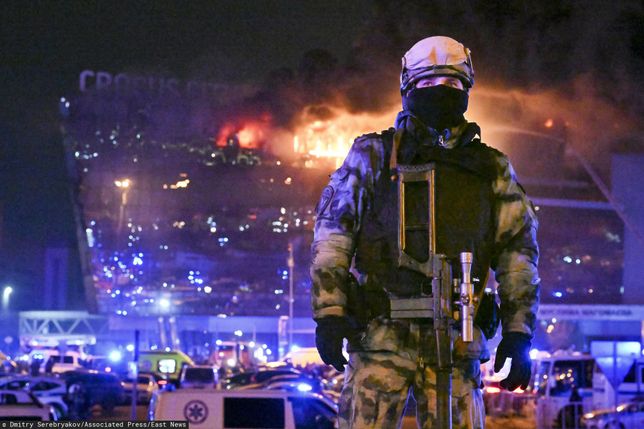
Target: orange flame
<point>331,138</point>
<point>251,134</point>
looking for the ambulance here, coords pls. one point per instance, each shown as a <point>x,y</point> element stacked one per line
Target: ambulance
<point>219,409</point>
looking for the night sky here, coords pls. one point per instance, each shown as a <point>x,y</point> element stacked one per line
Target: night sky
<point>45,45</point>
<point>48,43</point>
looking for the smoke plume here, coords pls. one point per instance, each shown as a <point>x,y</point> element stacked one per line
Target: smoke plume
<point>578,64</point>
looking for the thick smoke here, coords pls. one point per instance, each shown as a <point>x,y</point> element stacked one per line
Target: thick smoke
<point>578,63</point>
<point>577,120</point>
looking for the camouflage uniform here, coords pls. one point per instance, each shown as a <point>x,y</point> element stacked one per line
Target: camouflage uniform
<point>392,359</point>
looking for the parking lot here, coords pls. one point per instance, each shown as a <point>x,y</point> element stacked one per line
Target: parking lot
<point>124,413</point>
<point>86,398</point>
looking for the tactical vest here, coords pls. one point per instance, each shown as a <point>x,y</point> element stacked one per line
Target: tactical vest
<point>464,218</point>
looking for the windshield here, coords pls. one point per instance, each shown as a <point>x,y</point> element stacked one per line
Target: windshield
<point>570,374</point>
<point>63,359</point>
<point>200,374</point>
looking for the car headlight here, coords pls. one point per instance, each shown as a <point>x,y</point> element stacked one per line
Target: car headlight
<point>304,387</point>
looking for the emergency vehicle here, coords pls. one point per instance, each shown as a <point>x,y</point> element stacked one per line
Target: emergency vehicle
<point>166,365</point>
<point>218,409</point>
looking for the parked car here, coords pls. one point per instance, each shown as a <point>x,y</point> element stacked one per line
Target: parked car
<point>199,376</point>
<point>294,382</point>
<point>13,382</point>
<point>96,387</point>
<point>255,377</point>
<point>21,405</point>
<point>146,386</point>
<point>629,415</point>
<point>218,409</point>
<point>49,390</point>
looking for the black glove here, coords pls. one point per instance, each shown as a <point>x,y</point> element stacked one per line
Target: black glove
<point>515,345</point>
<point>328,340</point>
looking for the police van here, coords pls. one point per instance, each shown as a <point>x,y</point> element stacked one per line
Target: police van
<point>219,409</point>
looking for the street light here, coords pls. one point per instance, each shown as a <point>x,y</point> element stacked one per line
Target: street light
<point>291,263</point>
<point>125,183</point>
<point>164,304</point>
<point>6,293</point>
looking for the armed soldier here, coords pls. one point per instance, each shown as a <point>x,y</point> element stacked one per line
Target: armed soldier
<point>391,226</point>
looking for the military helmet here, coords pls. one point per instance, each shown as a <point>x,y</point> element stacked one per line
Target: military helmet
<point>436,56</point>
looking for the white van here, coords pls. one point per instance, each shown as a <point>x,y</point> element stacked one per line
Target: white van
<point>563,386</point>
<point>70,361</point>
<point>228,409</point>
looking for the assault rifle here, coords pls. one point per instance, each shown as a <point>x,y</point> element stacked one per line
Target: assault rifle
<point>452,299</point>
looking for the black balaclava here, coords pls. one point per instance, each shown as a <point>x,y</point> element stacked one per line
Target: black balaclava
<point>438,107</point>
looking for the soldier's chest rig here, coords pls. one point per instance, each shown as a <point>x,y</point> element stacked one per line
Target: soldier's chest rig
<point>439,204</point>
<point>428,233</point>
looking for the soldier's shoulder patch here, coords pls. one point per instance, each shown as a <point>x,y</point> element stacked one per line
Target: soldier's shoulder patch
<point>325,200</point>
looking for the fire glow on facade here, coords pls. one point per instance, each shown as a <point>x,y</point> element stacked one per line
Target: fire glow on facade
<point>331,138</point>
<point>251,134</point>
